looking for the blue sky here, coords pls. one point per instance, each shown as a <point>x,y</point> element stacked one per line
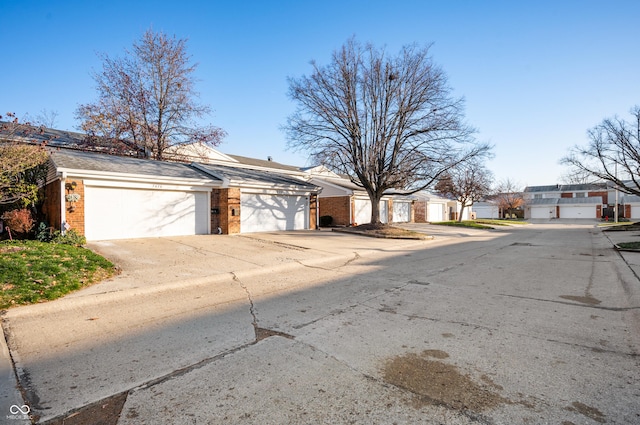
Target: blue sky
<point>535,75</point>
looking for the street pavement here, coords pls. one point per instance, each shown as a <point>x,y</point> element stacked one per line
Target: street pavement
<point>531,324</point>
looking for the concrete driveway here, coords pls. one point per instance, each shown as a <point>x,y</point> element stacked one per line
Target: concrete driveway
<point>535,324</point>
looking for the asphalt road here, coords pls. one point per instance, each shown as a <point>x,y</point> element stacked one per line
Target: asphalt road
<point>535,324</point>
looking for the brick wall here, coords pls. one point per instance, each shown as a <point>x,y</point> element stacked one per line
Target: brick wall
<point>75,211</point>
<point>604,194</point>
<point>227,201</point>
<point>313,212</point>
<point>337,207</point>
<point>420,212</point>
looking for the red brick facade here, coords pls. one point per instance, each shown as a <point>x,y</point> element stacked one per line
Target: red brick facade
<point>226,204</point>
<point>74,211</point>
<point>313,212</point>
<point>338,207</point>
<point>420,212</point>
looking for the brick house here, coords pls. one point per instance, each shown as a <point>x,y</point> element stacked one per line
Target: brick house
<point>107,196</point>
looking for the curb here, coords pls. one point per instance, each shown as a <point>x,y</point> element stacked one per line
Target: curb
<point>12,404</point>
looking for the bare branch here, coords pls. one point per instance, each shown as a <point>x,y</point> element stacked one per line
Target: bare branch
<point>148,97</point>
<point>390,123</point>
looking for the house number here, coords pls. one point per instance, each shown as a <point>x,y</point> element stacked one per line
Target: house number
<point>156,186</point>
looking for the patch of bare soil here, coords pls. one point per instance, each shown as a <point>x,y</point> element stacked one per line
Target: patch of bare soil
<point>379,230</point>
<point>438,383</point>
<point>588,411</point>
<point>5,249</point>
<point>104,412</point>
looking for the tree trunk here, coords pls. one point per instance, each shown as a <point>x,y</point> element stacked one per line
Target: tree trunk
<point>460,214</point>
<point>375,208</point>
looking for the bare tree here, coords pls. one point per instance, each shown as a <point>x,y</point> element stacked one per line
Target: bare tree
<point>612,154</point>
<point>387,122</point>
<point>508,195</point>
<point>148,97</point>
<point>23,166</point>
<point>467,183</point>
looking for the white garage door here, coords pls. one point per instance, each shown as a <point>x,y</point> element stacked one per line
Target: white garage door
<point>267,213</point>
<point>578,212</point>
<point>435,212</point>
<point>401,212</point>
<point>363,211</point>
<point>542,212</point>
<point>122,213</point>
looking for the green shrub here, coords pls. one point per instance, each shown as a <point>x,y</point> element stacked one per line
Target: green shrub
<point>70,237</point>
<point>44,233</point>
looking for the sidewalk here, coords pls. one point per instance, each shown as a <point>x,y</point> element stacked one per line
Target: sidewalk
<point>11,402</point>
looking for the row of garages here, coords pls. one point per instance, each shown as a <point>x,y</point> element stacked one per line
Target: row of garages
<point>113,197</point>
<point>571,208</point>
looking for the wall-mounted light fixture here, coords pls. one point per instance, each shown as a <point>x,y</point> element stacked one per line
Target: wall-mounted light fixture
<point>71,186</point>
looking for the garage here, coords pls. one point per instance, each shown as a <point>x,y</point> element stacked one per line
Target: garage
<point>436,212</point>
<point>579,207</point>
<point>362,213</point>
<point>577,211</point>
<point>122,213</point>
<point>260,212</point>
<point>542,212</point>
<point>401,211</point>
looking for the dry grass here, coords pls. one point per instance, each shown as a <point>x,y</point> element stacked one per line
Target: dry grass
<point>379,230</point>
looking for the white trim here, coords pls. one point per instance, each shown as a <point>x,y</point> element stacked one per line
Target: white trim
<point>143,185</point>
<point>259,191</point>
<point>115,176</point>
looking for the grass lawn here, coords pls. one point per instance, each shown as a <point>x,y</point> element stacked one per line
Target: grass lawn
<point>501,222</point>
<point>32,272</point>
<point>382,231</point>
<point>630,245</point>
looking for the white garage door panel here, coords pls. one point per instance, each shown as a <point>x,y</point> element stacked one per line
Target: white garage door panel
<point>363,211</point>
<point>542,212</point>
<point>401,212</point>
<point>118,213</point>
<point>578,212</point>
<point>267,213</point>
<point>435,212</point>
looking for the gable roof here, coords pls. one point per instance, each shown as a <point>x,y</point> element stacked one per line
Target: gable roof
<point>50,137</point>
<point>237,176</point>
<point>100,163</point>
<point>591,200</point>
<point>566,187</point>
<point>254,162</point>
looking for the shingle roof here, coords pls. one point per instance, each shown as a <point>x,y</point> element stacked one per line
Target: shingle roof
<point>92,161</point>
<point>566,187</point>
<point>263,163</point>
<point>592,200</point>
<point>250,176</point>
<point>68,139</point>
